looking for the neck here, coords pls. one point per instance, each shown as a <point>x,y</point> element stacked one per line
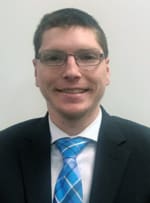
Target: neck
<point>73,125</point>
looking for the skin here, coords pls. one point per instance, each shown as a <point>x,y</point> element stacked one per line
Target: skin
<point>72,94</point>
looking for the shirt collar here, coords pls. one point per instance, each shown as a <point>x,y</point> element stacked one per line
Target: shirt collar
<point>90,132</point>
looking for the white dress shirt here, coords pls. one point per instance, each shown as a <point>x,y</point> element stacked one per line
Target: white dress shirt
<point>85,159</point>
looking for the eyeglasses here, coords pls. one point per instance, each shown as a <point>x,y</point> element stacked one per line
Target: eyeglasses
<point>85,58</point>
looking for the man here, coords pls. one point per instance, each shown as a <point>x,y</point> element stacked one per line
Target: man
<point>72,71</point>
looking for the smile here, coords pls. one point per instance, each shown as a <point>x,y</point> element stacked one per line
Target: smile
<point>73,91</point>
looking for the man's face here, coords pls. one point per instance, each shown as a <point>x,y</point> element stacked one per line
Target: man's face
<point>71,91</point>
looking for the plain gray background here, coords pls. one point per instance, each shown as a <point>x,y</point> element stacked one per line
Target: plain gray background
<point>127,26</point>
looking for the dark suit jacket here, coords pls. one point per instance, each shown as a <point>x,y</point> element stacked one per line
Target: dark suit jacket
<point>122,163</point>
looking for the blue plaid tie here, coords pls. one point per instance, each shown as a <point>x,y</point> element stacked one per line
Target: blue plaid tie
<point>68,187</point>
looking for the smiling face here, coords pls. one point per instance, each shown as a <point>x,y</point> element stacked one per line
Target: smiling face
<point>71,92</point>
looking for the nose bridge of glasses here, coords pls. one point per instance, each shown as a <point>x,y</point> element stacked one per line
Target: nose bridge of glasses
<point>73,56</point>
<point>71,68</point>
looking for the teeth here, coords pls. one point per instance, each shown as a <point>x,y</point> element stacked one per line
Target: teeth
<point>73,91</point>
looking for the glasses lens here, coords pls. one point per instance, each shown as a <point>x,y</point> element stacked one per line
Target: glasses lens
<point>52,58</point>
<point>88,57</point>
<point>84,57</point>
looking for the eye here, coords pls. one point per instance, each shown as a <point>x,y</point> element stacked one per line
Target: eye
<point>87,56</point>
<point>52,57</point>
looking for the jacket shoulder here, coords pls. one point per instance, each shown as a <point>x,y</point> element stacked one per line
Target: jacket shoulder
<point>128,124</point>
<point>24,127</point>
<point>123,124</point>
<point>133,131</point>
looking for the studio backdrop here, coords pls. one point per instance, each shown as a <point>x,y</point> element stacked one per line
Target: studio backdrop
<point>127,27</point>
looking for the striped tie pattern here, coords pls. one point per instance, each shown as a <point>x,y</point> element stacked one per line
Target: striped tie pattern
<point>68,187</point>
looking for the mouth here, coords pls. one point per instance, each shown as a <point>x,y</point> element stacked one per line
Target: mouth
<point>73,90</point>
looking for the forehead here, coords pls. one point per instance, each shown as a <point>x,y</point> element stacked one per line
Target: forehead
<point>69,38</point>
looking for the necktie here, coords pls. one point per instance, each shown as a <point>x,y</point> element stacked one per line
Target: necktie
<point>68,187</point>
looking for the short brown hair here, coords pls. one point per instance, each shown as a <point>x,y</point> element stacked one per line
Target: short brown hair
<point>69,17</point>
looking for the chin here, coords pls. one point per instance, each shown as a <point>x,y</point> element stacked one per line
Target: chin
<point>74,113</point>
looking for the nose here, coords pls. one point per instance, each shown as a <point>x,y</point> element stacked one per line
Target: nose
<point>71,69</point>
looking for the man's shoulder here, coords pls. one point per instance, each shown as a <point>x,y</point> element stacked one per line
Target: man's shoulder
<point>21,136</point>
<point>123,122</point>
<point>129,124</point>
<point>135,133</point>
<point>23,127</point>
<point>129,129</point>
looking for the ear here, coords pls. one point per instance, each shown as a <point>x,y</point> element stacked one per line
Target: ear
<point>35,64</point>
<point>107,61</point>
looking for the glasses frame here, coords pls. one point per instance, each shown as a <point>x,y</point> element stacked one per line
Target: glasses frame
<point>98,53</point>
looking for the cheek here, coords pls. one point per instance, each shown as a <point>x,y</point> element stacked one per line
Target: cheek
<point>45,79</point>
<point>36,78</point>
<point>107,80</point>
<point>39,78</point>
<point>101,82</point>
<point>105,72</point>
<point>105,77</point>
<point>37,81</point>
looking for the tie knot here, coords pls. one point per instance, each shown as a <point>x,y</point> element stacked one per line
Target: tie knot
<point>71,147</point>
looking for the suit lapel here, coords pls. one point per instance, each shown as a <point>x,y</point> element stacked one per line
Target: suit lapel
<point>111,159</point>
<point>35,163</point>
